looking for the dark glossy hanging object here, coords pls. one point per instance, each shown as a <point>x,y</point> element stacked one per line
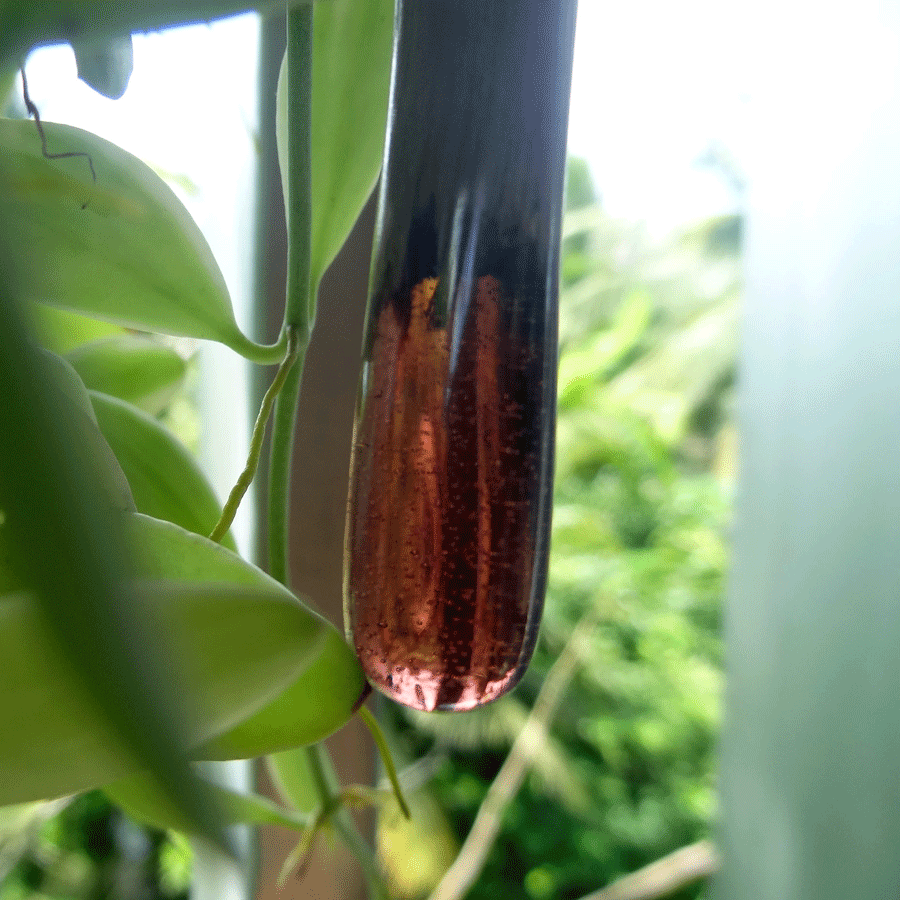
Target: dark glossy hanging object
<point>451,479</point>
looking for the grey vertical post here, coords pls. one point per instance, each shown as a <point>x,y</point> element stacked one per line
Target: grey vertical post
<point>811,752</point>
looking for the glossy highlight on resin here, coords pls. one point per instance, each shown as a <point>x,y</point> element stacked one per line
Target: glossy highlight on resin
<point>451,476</point>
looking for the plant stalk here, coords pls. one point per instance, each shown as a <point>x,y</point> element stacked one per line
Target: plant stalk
<point>256,440</point>
<point>298,290</point>
<point>298,320</point>
<point>343,822</point>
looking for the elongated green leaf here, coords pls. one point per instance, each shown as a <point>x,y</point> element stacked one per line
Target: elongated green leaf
<point>137,369</point>
<point>318,703</point>
<point>165,480</point>
<point>292,775</point>
<point>140,799</point>
<point>350,78</point>
<point>233,645</point>
<point>124,249</point>
<point>91,452</point>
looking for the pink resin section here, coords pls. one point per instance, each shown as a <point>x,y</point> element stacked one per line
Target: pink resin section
<point>441,525</point>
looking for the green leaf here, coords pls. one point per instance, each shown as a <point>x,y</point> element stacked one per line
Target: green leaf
<point>590,360</point>
<point>316,703</point>
<point>292,774</point>
<point>61,331</point>
<point>71,552</point>
<point>91,452</point>
<point>142,801</point>
<point>165,480</point>
<point>190,563</point>
<point>319,702</point>
<point>7,84</point>
<point>233,645</point>
<point>105,65</point>
<point>137,369</point>
<point>351,79</point>
<point>10,571</point>
<point>124,250</point>
<point>163,550</point>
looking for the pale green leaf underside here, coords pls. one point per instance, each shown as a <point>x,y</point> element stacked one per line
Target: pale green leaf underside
<point>235,636</point>
<point>124,250</point>
<point>137,369</point>
<point>166,481</point>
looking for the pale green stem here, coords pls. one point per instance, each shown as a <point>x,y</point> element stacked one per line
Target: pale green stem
<point>262,354</point>
<point>343,821</point>
<point>256,440</point>
<point>386,759</point>
<point>297,318</point>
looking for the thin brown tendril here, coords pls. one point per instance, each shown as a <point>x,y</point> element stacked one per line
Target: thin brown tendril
<point>33,112</point>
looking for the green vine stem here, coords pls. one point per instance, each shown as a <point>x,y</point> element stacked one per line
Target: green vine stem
<point>299,174</point>
<point>280,458</point>
<point>297,320</point>
<point>256,440</point>
<point>262,354</point>
<point>331,802</point>
<point>386,759</point>
<point>298,289</point>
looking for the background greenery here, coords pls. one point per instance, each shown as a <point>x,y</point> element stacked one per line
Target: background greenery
<point>642,501</point>
<point>642,504</point>
<point>644,462</point>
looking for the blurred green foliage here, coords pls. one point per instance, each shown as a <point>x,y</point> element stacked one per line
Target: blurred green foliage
<point>85,848</point>
<point>90,851</point>
<point>644,463</point>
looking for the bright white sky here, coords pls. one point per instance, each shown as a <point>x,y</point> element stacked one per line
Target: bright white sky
<point>654,83</point>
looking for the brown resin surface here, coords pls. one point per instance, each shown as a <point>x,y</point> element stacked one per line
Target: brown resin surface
<point>442,522</point>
